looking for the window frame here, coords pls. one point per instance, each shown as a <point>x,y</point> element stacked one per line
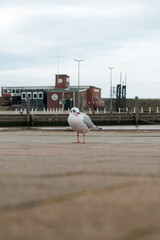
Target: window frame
<point>13,91</point>
<point>39,95</point>
<point>36,95</point>
<point>5,91</point>
<point>17,90</point>
<point>23,93</point>
<point>29,94</point>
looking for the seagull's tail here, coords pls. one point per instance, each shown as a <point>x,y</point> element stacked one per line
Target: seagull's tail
<point>96,128</point>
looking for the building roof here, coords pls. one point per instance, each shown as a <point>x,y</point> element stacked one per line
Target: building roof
<point>70,89</point>
<point>29,87</point>
<point>61,75</point>
<point>84,86</point>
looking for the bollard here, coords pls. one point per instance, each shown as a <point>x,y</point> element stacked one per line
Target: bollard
<point>134,110</point>
<point>150,110</point>
<point>16,111</point>
<point>104,110</point>
<point>119,110</point>
<point>157,109</point>
<point>90,111</point>
<point>141,109</point>
<point>97,110</point>
<point>127,109</point>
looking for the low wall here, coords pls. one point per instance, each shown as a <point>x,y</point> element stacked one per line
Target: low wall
<point>98,119</point>
<point>13,120</point>
<point>17,120</point>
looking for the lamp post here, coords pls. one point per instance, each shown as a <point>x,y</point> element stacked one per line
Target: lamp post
<point>110,89</point>
<point>78,60</point>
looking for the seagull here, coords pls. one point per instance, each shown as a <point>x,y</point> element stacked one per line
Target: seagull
<point>80,122</point>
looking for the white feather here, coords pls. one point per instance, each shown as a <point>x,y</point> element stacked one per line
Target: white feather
<point>79,122</point>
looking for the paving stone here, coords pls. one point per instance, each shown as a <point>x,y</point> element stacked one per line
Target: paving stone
<point>52,188</point>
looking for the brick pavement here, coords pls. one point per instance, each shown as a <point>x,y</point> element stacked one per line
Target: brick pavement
<point>107,188</point>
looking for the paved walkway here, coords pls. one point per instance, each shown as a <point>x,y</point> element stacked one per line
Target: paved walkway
<point>108,188</point>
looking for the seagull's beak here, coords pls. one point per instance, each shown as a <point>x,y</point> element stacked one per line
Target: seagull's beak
<point>78,113</point>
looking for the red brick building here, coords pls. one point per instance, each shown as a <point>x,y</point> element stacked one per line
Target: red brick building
<point>66,96</point>
<point>6,97</point>
<point>62,95</point>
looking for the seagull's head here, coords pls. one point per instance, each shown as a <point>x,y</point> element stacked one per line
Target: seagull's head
<point>75,111</point>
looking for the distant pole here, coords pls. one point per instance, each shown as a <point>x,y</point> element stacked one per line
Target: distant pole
<point>136,110</point>
<point>120,78</point>
<point>125,79</point>
<point>78,99</point>
<point>58,63</point>
<point>110,89</point>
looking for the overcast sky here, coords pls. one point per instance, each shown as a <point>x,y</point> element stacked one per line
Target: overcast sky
<point>36,35</point>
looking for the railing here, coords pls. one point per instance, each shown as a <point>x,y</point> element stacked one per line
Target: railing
<point>89,111</point>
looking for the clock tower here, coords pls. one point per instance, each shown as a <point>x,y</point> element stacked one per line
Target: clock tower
<point>62,81</point>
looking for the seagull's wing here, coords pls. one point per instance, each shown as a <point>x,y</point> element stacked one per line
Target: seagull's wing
<point>87,121</point>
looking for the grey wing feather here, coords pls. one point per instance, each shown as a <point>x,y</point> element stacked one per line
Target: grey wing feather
<point>88,121</point>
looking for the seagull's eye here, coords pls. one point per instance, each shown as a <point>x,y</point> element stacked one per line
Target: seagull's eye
<point>74,111</point>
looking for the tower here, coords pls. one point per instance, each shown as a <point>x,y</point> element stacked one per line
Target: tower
<point>62,81</point>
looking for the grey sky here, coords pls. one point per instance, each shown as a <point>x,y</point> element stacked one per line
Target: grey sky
<point>123,34</point>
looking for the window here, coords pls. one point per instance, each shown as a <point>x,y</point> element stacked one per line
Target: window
<point>23,95</point>
<point>96,90</point>
<point>29,94</point>
<point>13,90</point>
<point>9,91</point>
<point>17,90</point>
<point>5,91</point>
<point>34,95</point>
<point>40,95</point>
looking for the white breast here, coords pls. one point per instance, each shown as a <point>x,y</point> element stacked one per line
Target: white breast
<point>77,123</point>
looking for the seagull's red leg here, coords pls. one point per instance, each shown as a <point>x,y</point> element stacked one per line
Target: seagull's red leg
<point>78,137</point>
<point>84,138</point>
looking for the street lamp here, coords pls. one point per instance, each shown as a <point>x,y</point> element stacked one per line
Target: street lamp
<point>110,89</point>
<point>78,60</point>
